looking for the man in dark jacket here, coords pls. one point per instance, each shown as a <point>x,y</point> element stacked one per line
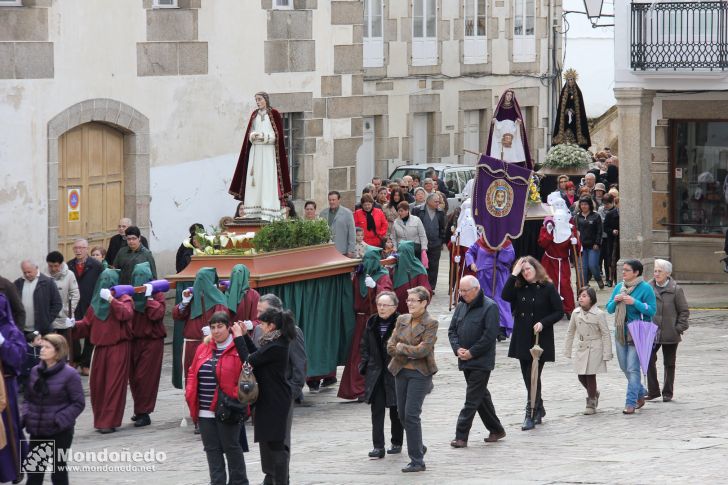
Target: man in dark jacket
<point>132,254</point>
<point>40,298</point>
<point>8,289</point>
<point>433,219</point>
<point>118,241</point>
<point>87,271</point>
<point>472,333</point>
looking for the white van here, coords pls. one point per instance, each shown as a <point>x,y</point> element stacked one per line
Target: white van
<point>454,176</point>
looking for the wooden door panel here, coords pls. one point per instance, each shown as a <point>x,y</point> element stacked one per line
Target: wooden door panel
<point>72,155</point>
<point>114,153</point>
<point>95,150</point>
<point>113,203</point>
<point>95,209</point>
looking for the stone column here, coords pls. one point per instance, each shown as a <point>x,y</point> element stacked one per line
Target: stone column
<point>634,106</point>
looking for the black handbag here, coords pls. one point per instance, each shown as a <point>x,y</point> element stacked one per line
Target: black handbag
<point>228,410</point>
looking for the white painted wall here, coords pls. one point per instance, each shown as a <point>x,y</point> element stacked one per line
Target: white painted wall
<point>591,52</point>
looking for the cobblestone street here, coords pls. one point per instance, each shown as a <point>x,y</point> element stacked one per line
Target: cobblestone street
<point>685,440</point>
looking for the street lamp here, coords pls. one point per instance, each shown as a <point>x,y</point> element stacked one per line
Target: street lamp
<point>593,9</point>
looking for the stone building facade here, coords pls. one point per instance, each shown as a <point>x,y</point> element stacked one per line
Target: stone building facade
<point>673,134</point>
<point>140,106</point>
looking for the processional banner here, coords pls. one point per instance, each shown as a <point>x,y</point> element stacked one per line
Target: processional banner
<point>499,199</point>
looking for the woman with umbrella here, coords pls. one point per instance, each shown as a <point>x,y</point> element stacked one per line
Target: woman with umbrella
<point>536,307</point>
<point>371,280</point>
<point>632,300</point>
<point>408,273</point>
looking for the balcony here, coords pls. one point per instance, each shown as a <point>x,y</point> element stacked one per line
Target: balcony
<point>679,36</point>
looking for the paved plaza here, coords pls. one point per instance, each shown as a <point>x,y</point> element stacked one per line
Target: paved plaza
<point>683,441</point>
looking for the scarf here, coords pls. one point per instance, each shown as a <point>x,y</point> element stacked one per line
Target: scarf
<point>371,226</point>
<point>620,313</point>
<point>371,266</point>
<point>107,279</point>
<point>405,219</point>
<point>239,286</point>
<point>142,274</point>
<point>408,266</point>
<point>269,337</point>
<point>40,387</point>
<point>206,284</point>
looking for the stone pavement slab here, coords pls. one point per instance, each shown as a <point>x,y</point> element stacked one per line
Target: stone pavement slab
<point>684,441</point>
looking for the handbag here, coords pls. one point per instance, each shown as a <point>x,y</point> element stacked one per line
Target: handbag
<point>247,385</point>
<point>228,409</point>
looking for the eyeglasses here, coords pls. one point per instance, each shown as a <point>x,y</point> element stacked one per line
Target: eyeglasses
<point>414,301</point>
<point>465,290</point>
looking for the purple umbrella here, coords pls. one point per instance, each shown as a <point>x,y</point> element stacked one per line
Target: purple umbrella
<point>643,335</point>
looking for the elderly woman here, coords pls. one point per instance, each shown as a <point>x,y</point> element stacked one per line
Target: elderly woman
<point>372,221</point>
<point>409,228</point>
<point>412,347</point>
<point>671,317</point>
<point>420,197</point>
<point>632,299</point>
<point>536,307</point>
<point>380,388</point>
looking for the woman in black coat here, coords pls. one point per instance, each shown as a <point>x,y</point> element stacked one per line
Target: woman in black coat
<point>270,362</point>
<point>379,389</point>
<point>536,307</point>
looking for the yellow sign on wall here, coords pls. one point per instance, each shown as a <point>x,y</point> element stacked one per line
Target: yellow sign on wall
<point>74,205</point>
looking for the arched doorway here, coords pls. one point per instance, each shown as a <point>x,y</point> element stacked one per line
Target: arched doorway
<point>101,146</point>
<point>90,185</point>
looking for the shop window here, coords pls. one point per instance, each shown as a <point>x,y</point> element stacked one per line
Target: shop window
<point>699,177</point>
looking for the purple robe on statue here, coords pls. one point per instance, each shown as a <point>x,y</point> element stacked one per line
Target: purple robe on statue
<point>491,278</point>
<point>506,110</point>
<point>12,353</point>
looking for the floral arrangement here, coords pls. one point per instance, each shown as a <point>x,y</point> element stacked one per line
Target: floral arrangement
<point>217,241</point>
<point>567,156</point>
<point>291,233</point>
<point>534,196</point>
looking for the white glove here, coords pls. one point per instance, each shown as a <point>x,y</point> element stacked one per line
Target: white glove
<point>248,325</point>
<point>453,239</point>
<point>70,322</point>
<point>2,339</point>
<point>105,294</point>
<point>573,241</point>
<point>186,298</point>
<point>370,282</point>
<point>148,291</point>
<point>457,259</point>
<point>206,330</point>
<point>549,228</point>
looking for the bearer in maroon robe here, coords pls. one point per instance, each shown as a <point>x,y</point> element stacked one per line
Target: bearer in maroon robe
<point>371,280</point>
<point>108,323</point>
<point>555,258</point>
<point>242,300</point>
<point>147,347</point>
<point>196,309</point>
<point>407,273</point>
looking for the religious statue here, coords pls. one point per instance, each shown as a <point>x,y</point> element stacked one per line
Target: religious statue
<point>507,139</point>
<point>571,125</point>
<point>262,179</point>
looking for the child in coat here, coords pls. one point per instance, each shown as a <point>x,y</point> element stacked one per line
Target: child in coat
<point>594,347</point>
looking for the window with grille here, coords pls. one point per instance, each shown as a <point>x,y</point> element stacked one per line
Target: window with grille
<point>293,138</point>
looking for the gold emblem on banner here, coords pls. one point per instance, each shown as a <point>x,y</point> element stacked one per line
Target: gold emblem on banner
<point>499,198</point>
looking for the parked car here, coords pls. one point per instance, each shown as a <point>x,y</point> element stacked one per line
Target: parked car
<point>454,176</point>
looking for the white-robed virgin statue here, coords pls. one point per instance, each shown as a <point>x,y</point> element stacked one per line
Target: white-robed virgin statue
<point>262,180</point>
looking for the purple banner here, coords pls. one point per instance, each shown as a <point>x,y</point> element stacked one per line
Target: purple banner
<point>499,199</point>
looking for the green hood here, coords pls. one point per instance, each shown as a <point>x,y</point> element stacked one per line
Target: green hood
<point>142,274</point>
<point>371,266</point>
<point>239,286</point>
<point>408,266</point>
<point>107,279</point>
<point>206,284</point>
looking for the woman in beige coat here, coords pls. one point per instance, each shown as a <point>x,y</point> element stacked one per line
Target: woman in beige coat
<point>594,347</point>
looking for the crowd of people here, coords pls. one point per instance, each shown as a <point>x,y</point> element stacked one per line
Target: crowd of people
<point>399,230</point>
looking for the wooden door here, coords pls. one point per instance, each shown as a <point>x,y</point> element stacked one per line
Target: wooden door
<point>90,185</point>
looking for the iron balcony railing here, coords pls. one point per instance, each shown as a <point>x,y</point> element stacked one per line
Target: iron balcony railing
<point>679,35</point>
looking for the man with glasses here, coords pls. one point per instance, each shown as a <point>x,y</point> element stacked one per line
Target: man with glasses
<point>87,271</point>
<point>118,241</point>
<point>472,333</point>
<point>131,255</point>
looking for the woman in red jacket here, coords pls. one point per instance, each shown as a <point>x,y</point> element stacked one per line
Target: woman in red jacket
<point>372,221</point>
<point>214,369</point>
